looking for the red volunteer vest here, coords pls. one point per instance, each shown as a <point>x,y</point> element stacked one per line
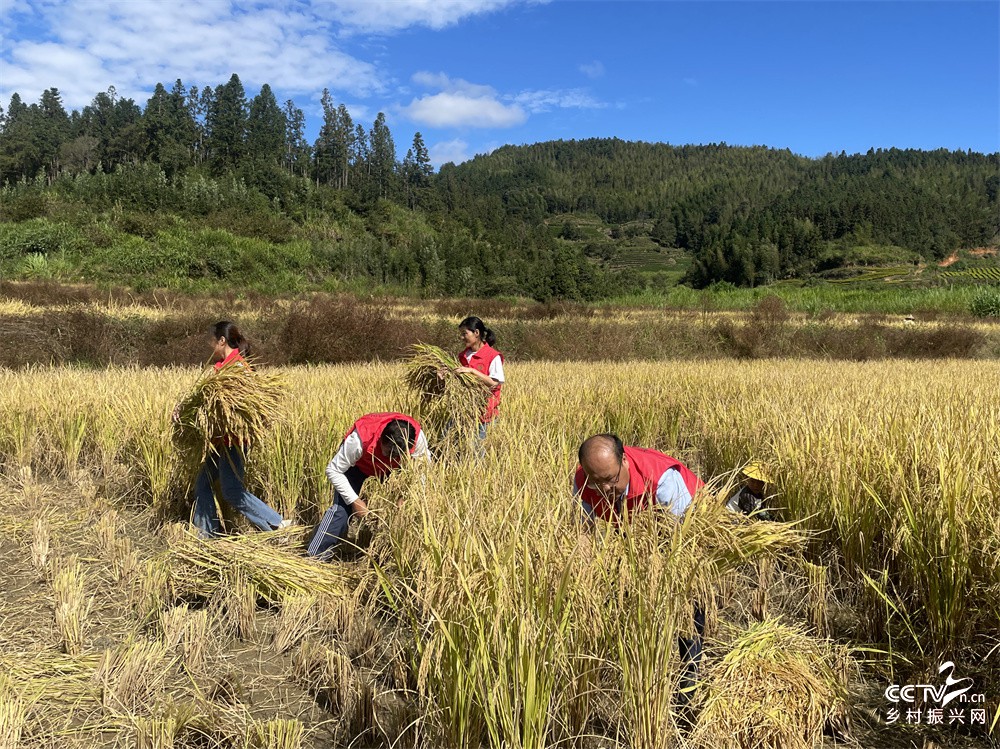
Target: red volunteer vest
<point>369,429</point>
<point>234,357</point>
<point>481,361</point>
<point>646,467</point>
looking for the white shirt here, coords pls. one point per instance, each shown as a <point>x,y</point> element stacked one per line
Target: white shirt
<point>348,456</point>
<point>671,492</point>
<point>496,366</point>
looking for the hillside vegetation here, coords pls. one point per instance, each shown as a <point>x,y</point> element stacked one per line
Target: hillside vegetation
<point>207,189</point>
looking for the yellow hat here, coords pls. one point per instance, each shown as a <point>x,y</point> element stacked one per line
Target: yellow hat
<point>757,470</point>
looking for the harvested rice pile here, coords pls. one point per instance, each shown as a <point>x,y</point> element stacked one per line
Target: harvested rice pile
<point>235,402</point>
<point>276,572</point>
<point>449,401</point>
<point>776,689</point>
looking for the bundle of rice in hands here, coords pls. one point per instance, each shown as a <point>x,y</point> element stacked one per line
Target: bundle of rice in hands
<point>235,402</point>
<point>777,688</point>
<point>449,400</point>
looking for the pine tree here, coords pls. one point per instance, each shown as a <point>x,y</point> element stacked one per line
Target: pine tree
<point>265,128</point>
<point>53,129</point>
<point>227,118</point>
<point>383,156</point>
<point>296,148</point>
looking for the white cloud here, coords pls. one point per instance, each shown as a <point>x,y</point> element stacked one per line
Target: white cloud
<point>456,151</point>
<point>132,44</point>
<point>455,110</point>
<point>593,69</point>
<point>690,81</point>
<point>451,85</point>
<point>544,101</point>
<point>395,15</point>
<point>460,103</point>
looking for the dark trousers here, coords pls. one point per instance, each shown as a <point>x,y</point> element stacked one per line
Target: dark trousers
<point>332,529</point>
<point>691,648</point>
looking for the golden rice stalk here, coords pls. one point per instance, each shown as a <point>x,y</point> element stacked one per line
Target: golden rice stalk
<point>818,594</point>
<point>106,530</point>
<point>775,689</point>
<point>198,566</point>
<point>280,733</point>
<point>448,400</point>
<point>235,604</point>
<point>71,605</point>
<point>125,562</point>
<point>50,675</point>
<point>150,596</point>
<point>163,729</point>
<point>172,624</point>
<point>130,674</point>
<point>297,619</point>
<point>41,535</point>
<point>156,733</point>
<point>760,598</point>
<point>12,714</point>
<point>361,719</point>
<point>194,641</point>
<point>234,401</point>
<point>326,673</point>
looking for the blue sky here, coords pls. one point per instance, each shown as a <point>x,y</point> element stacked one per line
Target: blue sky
<point>471,75</point>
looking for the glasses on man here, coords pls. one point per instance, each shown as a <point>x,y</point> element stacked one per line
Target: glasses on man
<point>604,485</point>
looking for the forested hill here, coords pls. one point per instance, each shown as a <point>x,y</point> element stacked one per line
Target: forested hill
<point>748,215</point>
<point>207,187</point>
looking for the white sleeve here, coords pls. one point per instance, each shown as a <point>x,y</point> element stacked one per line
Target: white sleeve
<point>496,369</point>
<point>671,492</point>
<point>421,450</point>
<point>347,456</point>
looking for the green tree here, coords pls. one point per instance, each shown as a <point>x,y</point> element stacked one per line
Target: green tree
<point>226,125</point>
<point>265,128</point>
<point>383,156</point>
<point>296,147</point>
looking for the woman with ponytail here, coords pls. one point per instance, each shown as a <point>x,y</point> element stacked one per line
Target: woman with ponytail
<point>227,464</point>
<point>482,360</point>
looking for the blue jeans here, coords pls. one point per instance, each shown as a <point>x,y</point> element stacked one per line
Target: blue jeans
<point>228,469</point>
<point>332,529</point>
<point>691,648</point>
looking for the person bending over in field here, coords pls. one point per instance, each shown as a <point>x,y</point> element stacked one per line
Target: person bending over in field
<point>612,482</point>
<point>751,496</point>
<point>479,358</point>
<point>226,465</point>
<point>375,445</point>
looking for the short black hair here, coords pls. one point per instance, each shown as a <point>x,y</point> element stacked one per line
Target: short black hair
<point>399,436</point>
<point>614,439</point>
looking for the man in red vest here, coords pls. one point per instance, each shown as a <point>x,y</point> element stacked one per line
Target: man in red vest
<point>375,445</point>
<point>613,481</point>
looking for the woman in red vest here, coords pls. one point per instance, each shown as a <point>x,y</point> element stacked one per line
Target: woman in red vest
<point>375,445</point>
<point>482,360</point>
<point>227,466</point>
<point>613,481</point>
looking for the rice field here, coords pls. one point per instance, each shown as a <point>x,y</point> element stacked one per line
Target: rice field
<point>478,611</point>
